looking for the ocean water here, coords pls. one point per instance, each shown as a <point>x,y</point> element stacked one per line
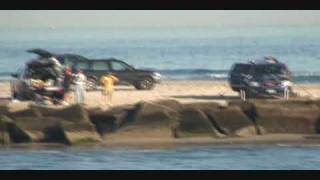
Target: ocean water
<point>209,157</point>
<point>178,53</point>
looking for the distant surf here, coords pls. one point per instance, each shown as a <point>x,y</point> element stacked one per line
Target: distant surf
<point>209,74</point>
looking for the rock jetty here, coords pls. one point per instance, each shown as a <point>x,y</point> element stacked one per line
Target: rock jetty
<point>169,119</point>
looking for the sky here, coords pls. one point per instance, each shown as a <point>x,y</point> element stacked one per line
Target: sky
<point>151,18</point>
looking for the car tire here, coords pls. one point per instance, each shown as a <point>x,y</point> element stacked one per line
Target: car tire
<point>14,95</point>
<point>250,94</point>
<point>145,84</point>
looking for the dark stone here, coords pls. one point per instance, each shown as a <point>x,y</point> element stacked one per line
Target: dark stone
<point>149,119</point>
<point>110,120</point>
<point>74,113</point>
<point>30,112</point>
<point>288,117</point>
<point>203,105</point>
<point>79,133</point>
<point>4,110</point>
<point>29,129</point>
<point>193,122</point>
<point>229,120</point>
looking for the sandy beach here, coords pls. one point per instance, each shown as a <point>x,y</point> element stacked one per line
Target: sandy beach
<point>185,91</point>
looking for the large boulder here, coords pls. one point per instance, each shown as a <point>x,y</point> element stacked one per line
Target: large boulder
<point>4,110</point>
<point>4,136</point>
<point>194,123</point>
<point>74,113</point>
<point>203,106</point>
<point>148,119</point>
<point>18,106</point>
<point>29,129</point>
<point>29,112</point>
<point>79,133</point>
<point>51,130</point>
<point>226,119</point>
<point>70,125</point>
<point>169,103</point>
<point>107,121</point>
<point>231,120</point>
<point>287,116</point>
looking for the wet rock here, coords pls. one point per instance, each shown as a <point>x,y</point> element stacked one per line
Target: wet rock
<point>249,131</point>
<point>74,113</point>
<point>4,135</point>
<point>51,130</point>
<point>29,112</point>
<point>194,123</point>
<point>288,117</point>
<point>79,133</point>
<point>230,120</point>
<point>203,106</point>
<point>70,125</point>
<point>107,121</point>
<point>169,103</point>
<point>29,129</point>
<point>4,110</point>
<point>149,119</point>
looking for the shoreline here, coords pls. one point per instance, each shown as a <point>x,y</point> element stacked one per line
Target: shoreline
<point>159,143</point>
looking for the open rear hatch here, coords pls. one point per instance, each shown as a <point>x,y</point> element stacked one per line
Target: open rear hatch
<point>42,69</point>
<point>39,63</point>
<point>41,52</point>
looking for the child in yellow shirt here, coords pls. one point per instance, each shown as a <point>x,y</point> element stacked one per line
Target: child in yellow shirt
<point>108,81</point>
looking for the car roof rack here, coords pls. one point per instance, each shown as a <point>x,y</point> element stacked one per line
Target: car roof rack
<point>265,60</point>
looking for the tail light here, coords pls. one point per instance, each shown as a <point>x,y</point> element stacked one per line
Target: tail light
<point>61,90</point>
<point>270,83</point>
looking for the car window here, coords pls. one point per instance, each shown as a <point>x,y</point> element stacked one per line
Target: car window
<point>118,66</point>
<point>271,69</point>
<point>82,65</point>
<point>242,68</point>
<point>68,62</point>
<point>98,66</point>
<point>78,58</point>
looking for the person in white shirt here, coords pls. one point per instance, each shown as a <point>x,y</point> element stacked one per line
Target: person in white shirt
<point>79,85</point>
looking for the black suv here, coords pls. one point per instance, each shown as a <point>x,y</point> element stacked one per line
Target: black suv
<point>266,77</point>
<point>95,68</point>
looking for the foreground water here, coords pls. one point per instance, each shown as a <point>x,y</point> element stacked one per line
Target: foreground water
<point>184,157</point>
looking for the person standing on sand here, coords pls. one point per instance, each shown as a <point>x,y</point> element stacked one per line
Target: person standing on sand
<point>80,80</point>
<point>67,80</point>
<point>108,82</point>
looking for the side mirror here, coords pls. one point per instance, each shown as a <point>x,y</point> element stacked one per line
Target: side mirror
<point>15,75</point>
